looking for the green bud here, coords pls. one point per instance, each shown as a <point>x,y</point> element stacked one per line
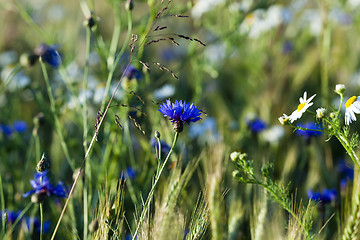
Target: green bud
<point>236,174</point>
<point>43,164</point>
<point>234,156</point>
<point>340,89</point>
<point>129,5</point>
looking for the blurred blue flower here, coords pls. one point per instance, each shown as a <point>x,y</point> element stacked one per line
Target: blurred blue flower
<point>346,173</point>
<point>256,125</point>
<point>20,126</point>
<point>312,130</point>
<point>180,112</point>
<point>128,173</point>
<point>205,131</point>
<point>17,126</point>
<point>6,130</point>
<point>42,186</point>
<point>326,196</point>
<point>35,224</point>
<point>155,146</point>
<point>287,47</point>
<point>132,73</point>
<point>11,216</point>
<point>49,54</point>
<point>128,237</point>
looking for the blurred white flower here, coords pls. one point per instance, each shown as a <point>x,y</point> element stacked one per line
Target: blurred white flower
<point>19,81</point>
<point>56,13</point>
<point>165,91</point>
<point>215,53</point>
<point>203,6</point>
<point>312,19</point>
<point>273,134</point>
<point>244,6</point>
<point>7,58</point>
<point>261,21</point>
<point>205,131</point>
<point>353,3</point>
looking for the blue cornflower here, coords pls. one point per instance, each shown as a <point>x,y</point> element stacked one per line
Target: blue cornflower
<point>20,126</point>
<point>49,54</point>
<point>42,187</point>
<point>180,112</point>
<point>256,125</point>
<point>132,72</point>
<point>326,196</point>
<point>313,130</point>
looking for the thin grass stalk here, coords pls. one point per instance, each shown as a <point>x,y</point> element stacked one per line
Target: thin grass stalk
<point>85,134</point>
<point>2,198</point>
<point>325,53</point>
<point>27,18</point>
<point>151,193</point>
<point>111,60</point>
<point>117,59</point>
<point>56,119</point>
<point>9,78</point>
<point>101,120</point>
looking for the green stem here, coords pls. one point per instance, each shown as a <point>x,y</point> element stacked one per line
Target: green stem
<point>151,193</point>
<point>2,198</point>
<point>85,133</point>
<point>9,78</point>
<point>56,119</point>
<point>41,221</point>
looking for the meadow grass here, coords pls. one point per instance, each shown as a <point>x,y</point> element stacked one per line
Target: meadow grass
<point>179,119</point>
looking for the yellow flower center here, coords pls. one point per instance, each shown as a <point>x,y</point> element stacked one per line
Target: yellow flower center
<point>301,106</point>
<point>350,101</point>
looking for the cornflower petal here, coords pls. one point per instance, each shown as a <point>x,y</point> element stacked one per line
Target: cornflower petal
<point>180,112</point>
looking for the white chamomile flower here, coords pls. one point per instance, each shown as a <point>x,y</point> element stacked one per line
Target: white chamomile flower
<point>352,106</point>
<point>283,119</point>
<point>304,104</point>
<point>320,112</point>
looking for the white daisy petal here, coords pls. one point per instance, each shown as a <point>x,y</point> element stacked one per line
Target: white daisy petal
<point>352,106</point>
<point>302,107</point>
